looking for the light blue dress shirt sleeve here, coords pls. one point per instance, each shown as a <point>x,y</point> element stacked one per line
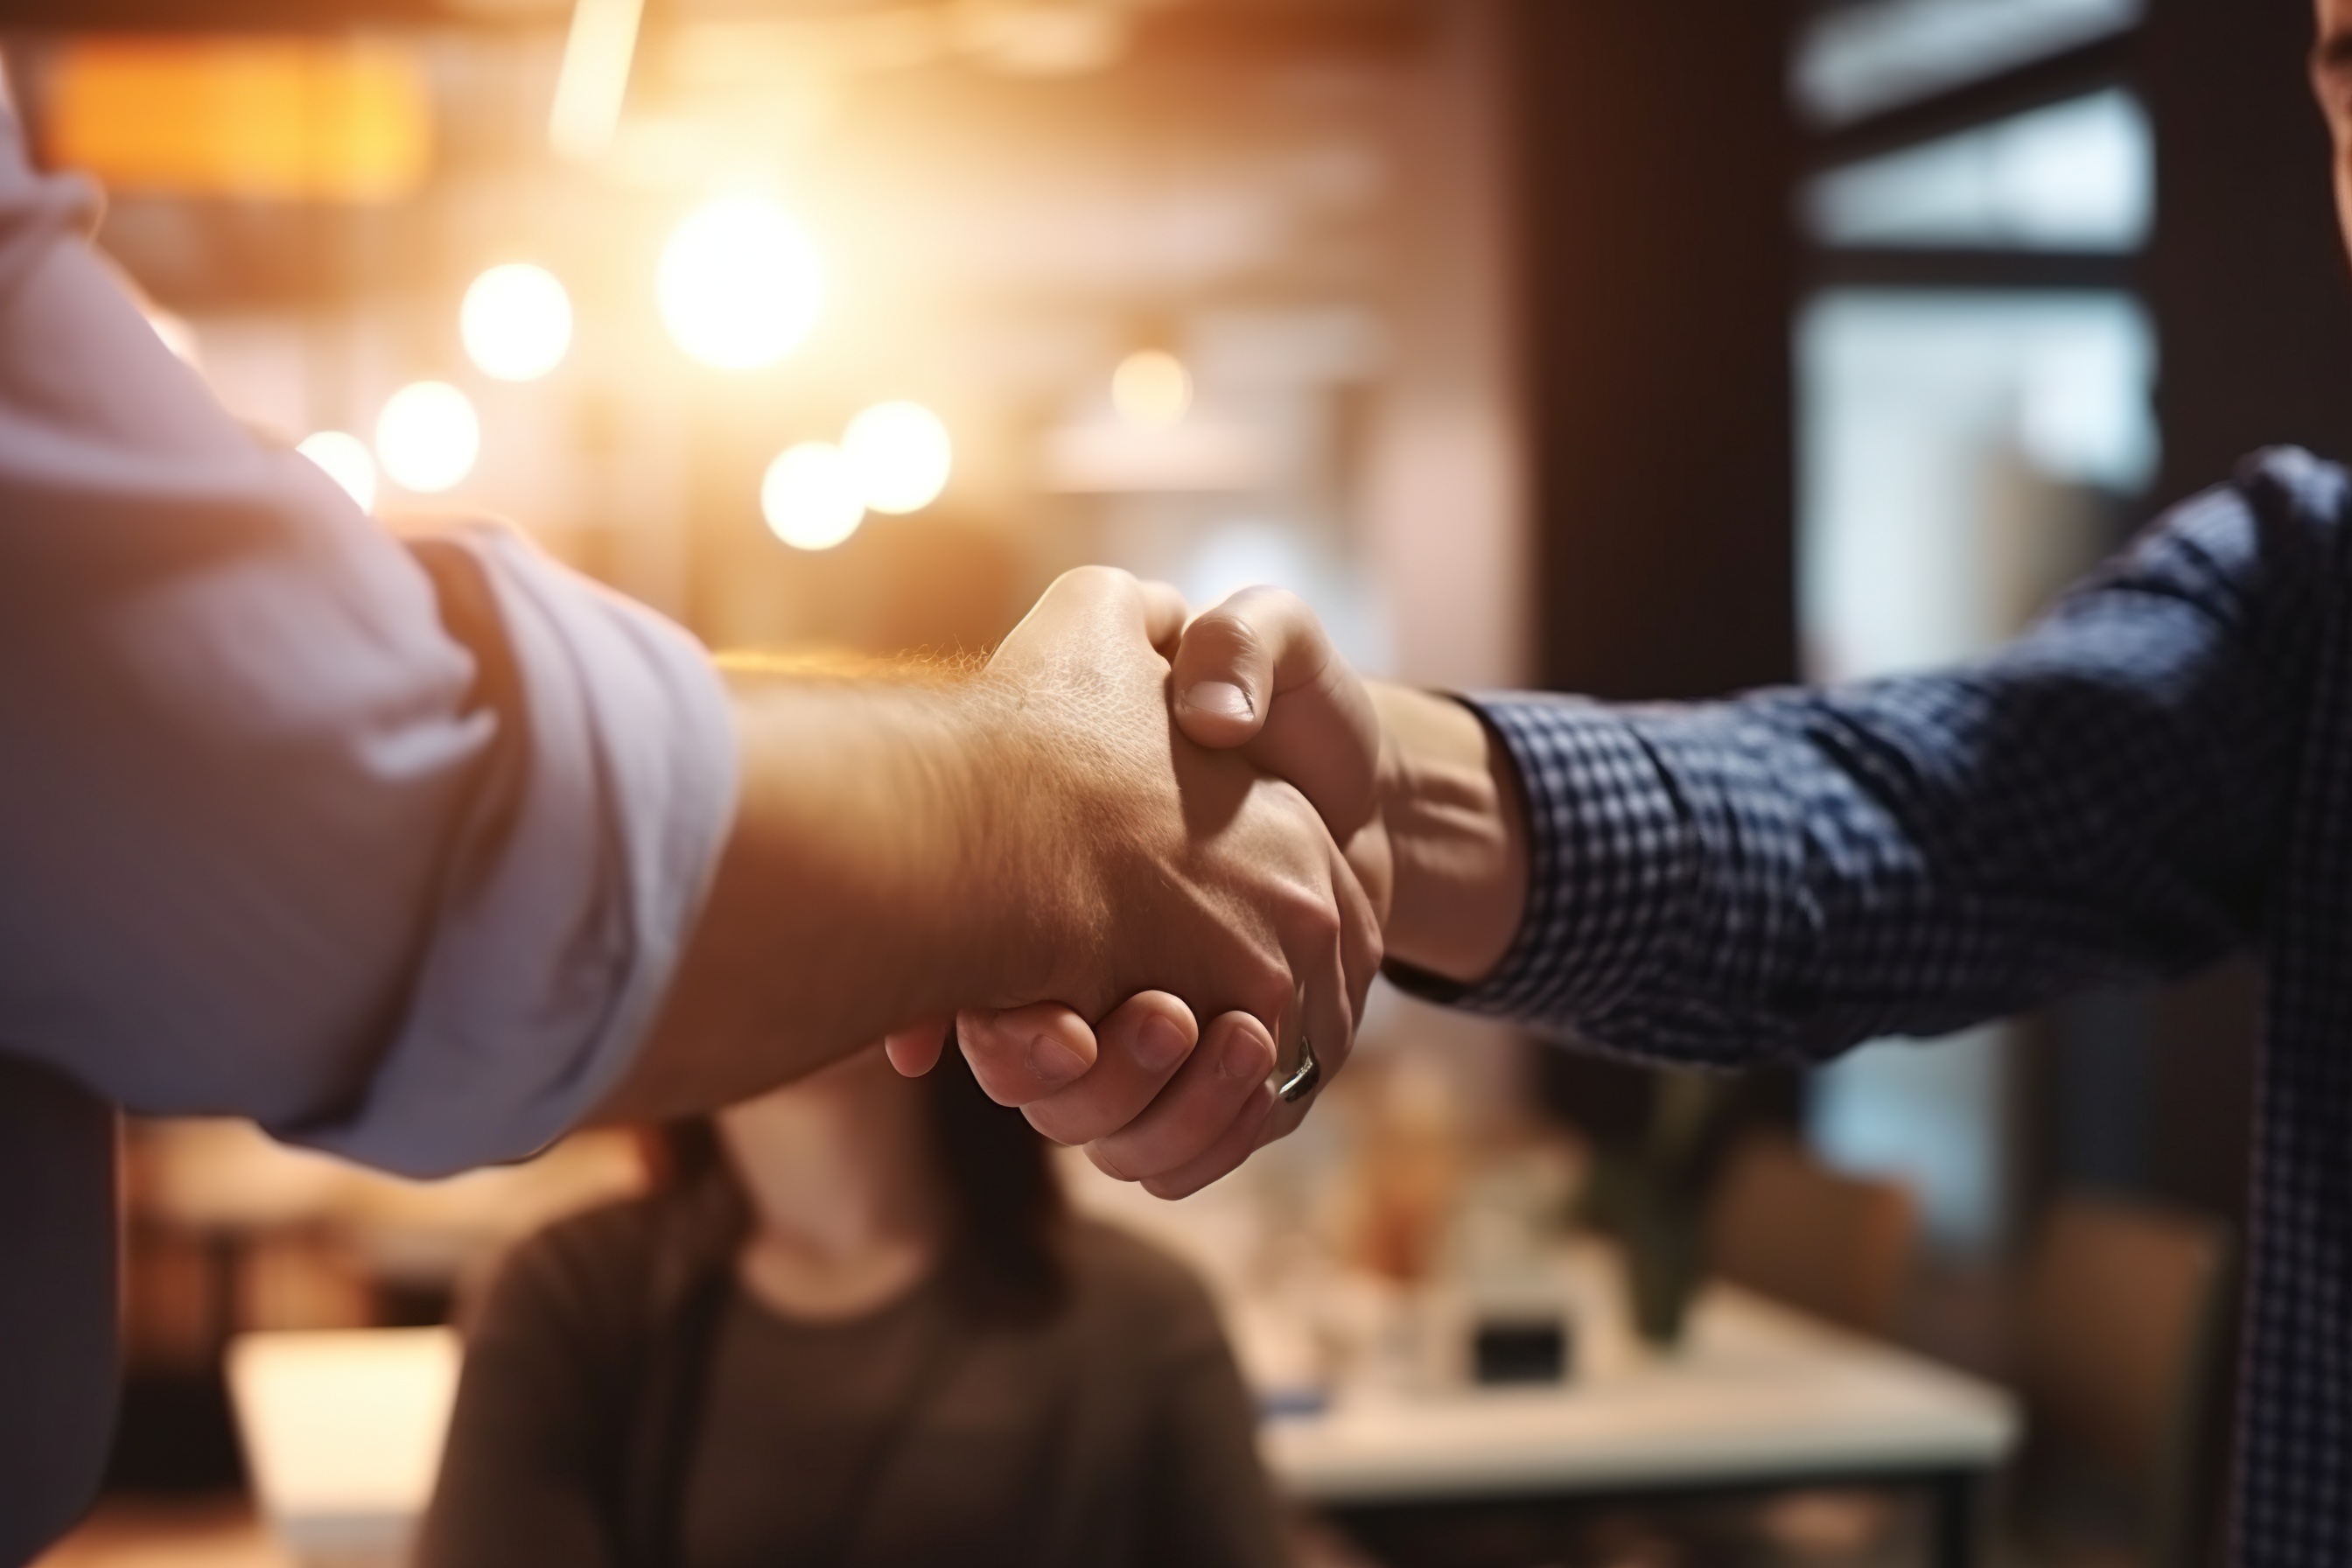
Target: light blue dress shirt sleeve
<point>392,849</point>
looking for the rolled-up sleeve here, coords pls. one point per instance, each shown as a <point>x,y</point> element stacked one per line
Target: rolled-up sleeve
<point>390,849</point>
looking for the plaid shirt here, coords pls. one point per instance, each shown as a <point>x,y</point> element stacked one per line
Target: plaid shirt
<point>2157,774</point>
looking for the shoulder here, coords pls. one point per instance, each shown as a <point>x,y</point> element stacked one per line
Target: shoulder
<point>2283,512</point>
<point>1145,1294</point>
<point>2287,481</point>
<point>611,1238</point>
<point>586,1278</point>
<point>2260,559</point>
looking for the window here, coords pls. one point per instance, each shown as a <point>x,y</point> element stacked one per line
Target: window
<point>1856,61</point>
<point>1975,377</point>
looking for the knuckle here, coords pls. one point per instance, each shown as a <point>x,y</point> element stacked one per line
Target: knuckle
<point>1269,597</point>
<point>1268,993</point>
<point>1091,580</point>
<point>1320,921</point>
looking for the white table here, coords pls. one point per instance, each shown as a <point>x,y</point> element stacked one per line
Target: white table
<point>1756,1396</point>
<point>344,1430</point>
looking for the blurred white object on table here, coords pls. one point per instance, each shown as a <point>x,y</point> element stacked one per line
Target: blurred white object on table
<point>343,1432</point>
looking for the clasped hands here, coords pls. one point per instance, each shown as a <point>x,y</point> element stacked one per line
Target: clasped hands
<point>1267,822</point>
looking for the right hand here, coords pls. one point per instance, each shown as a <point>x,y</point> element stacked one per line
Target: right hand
<point>1187,874</point>
<point>1447,820</point>
<point>1256,676</point>
<point>1430,807</point>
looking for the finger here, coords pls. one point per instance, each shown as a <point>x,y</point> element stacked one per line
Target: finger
<point>1362,882</point>
<point>1373,860</point>
<point>1336,966</point>
<point>1241,1136</point>
<point>1226,675</point>
<point>1258,672</point>
<point>1027,1053</point>
<point>915,1050</point>
<point>1215,1085</point>
<point>1139,1048</point>
<point>1164,611</point>
<point>1329,1024</point>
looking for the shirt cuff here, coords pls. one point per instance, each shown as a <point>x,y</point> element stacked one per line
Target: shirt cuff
<point>1607,858</point>
<point>574,882</point>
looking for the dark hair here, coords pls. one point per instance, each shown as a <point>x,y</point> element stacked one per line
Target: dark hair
<point>1005,1205</point>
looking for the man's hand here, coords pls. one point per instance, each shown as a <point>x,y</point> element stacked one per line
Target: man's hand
<point>1444,793</point>
<point>1257,674</point>
<point>1163,1102</point>
<point>1042,831</point>
<point>1413,782</point>
<point>1195,873</point>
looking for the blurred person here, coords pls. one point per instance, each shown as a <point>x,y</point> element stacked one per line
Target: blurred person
<point>854,1324</point>
<point>2157,776</point>
<point>397,848</point>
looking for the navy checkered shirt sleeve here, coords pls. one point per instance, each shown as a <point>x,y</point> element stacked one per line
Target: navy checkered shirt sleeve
<point>1784,874</point>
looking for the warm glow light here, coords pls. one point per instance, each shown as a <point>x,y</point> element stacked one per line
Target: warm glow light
<point>811,496</point>
<point>515,321</point>
<point>249,117</point>
<point>427,436</point>
<point>1152,388</point>
<point>345,458</point>
<point>740,284</point>
<point>901,454</point>
<point>594,79</point>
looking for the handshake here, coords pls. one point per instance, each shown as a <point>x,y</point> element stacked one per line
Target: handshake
<point>1144,871</point>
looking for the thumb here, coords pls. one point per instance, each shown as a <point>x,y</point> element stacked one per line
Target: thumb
<point>1258,672</point>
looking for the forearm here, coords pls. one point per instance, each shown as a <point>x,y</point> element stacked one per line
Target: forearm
<point>879,871</point>
<point>1788,873</point>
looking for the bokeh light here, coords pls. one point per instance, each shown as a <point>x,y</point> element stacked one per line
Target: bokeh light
<point>902,455</point>
<point>740,284</point>
<point>811,496</point>
<point>345,458</point>
<point>515,321</point>
<point>1151,389</point>
<point>427,436</point>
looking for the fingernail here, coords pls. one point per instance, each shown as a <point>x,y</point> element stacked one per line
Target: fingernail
<point>1243,1058</point>
<point>1159,1045</point>
<point>1221,697</point>
<point>1052,1060</point>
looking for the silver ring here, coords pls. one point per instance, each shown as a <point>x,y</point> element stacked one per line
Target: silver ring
<point>1301,1082</point>
<point>1302,1079</point>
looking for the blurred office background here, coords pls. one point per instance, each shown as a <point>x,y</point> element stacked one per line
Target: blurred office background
<point>1646,351</point>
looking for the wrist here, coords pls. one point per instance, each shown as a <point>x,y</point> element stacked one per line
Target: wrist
<point>1455,816</point>
<point>850,898</point>
<point>1043,830</point>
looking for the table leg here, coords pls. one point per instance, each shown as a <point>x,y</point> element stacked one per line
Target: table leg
<point>1955,1526</point>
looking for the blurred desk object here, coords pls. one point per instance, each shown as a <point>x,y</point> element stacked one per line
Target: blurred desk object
<point>1758,1397</point>
<point>343,1433</point>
